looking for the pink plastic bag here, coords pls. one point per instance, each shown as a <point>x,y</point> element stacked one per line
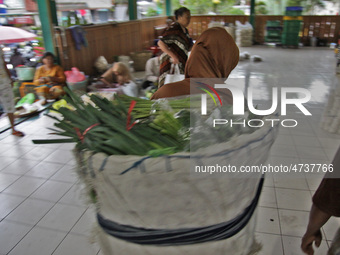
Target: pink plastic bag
<point>74,75</point>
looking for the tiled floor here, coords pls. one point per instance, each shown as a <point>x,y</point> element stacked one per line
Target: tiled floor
<point>43,210</point>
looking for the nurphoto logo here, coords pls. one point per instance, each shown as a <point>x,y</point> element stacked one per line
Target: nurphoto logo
<point>239,104</point>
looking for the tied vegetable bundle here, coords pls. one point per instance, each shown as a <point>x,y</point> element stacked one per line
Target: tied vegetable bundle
<point>134,126</point>
<point>125,126</point>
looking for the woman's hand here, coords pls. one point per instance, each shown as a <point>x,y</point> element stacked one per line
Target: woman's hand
<point>307,242</point>
<point>42,80</point>
<point>175,60</point>
<point>53,79</point>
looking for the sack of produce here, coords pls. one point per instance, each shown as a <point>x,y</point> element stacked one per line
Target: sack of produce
<point>139,59</point>
<point>244,34</point>
<point>136,158</point>
<point>101,64</point>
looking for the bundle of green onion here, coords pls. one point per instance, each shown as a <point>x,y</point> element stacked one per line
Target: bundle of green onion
<point>134,126</point>
<point>121,127</point>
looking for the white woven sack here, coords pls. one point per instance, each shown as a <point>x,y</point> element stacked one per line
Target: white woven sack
<point>161,193</point>
<point>101,64</point>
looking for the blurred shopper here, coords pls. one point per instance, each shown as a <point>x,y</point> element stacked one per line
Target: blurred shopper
<point>175,44</point>
<point>17,59</point>
<point>151,72</point>
<point>326,203</point>
<point>6,94</point>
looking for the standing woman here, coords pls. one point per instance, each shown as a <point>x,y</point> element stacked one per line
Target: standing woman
<point>175,44</point>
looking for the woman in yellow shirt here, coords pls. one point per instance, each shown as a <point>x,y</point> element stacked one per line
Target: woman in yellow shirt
<point>50,74</point>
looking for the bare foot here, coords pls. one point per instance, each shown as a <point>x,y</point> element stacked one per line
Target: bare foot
<point>18,133</point>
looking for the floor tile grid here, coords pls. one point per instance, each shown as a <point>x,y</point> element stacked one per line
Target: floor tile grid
<point>68,147</point>
<point>35,225</point>
<point>33,177</point>
<point>68,233</point>
<point>311,192</point>
<point>29,196</point>
<point>287,249</point>
<point>310,189</point>
<point>18,195</point>
<point>32,226</point>
<point>283,248</point>
<point>271,234</point>
<point>43,227</point>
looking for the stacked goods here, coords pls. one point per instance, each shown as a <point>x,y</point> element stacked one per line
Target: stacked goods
<point>126,60</point>
<point>231,30</point>
<point>136,158</point>
<point>139,59</point>
<point>101,64</point>
<point>273,31</point>
<point>292,26</point>
<point>229,27</point>
<point>244,34</point>
<point>331,116</point>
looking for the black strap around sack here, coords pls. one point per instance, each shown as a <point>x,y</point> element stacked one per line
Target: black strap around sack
<point>184,236</point>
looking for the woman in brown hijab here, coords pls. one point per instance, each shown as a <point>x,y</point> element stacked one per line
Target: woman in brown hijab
<point>214,55</point>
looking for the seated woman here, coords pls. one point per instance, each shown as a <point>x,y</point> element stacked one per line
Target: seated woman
<point>50,74</point>
<point>118,76</point>
<point>214,55</point>
<point>107,79</point>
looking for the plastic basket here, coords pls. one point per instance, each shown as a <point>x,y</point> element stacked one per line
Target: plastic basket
<point>290,41</point>
<point>291,32</point>
<point>79,87</point>
<point>273,33</point>
<point>294,8</point>
<point>139,59</point>
<point>271,39</point>
<point>300,18</point>
<point>292,23</point>
<point>25,73</point>
<point>291,26</point>
<point>293,13</point>
<point>274,28</point>
<point>273,23</point>
<point>291,37</point>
